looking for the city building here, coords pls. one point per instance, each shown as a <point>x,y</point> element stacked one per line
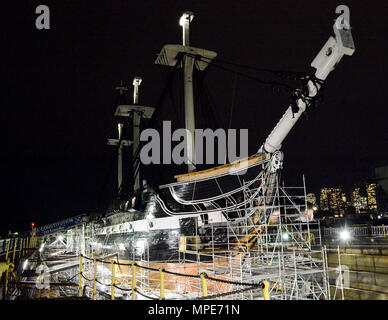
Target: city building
<point>333,200</point>
<point>311,198</point>
<point>324,200</point>
<point>356,199</point>
<point>371,196</point>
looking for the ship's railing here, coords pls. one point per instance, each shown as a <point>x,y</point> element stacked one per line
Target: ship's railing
<point>225,191</point>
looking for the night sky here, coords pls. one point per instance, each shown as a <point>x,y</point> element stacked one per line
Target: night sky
<point>58,98</point>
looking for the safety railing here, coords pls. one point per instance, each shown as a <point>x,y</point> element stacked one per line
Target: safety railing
<point>15,248</point>
<point>134,290</point>
<point>12,251</point>
<point>368,231</point>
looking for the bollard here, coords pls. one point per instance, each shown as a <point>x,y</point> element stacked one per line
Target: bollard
<point>113,280</point>
<point>15,244</point>
<point>80,276</point>
<point>133,281</point>
<point>204,284</point>
<point>161,271</point>
<point>7,250</point>
<point>94,280</point>
<point>266,290</point>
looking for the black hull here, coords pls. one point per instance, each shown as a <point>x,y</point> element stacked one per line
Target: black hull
<point>153,246</point>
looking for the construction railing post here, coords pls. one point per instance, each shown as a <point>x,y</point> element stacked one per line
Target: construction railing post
<point>113,280</point>
<point>80,276</point>
<point>15,243</point>
<point>7,250</point>
<point>161,271</point>
<point>204,284</point>
<point>21,247</point>
<point>266,290</point>
<point>94,279</point>
<point>133,281</point>
<point>384,231</point>
<point>10,268</point>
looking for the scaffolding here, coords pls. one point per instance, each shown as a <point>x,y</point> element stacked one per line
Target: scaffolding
<point>285,251</point>
<point>275,242</point>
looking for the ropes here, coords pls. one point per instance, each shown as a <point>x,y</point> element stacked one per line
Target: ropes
<point>297,93</point>
<point>273,84</point>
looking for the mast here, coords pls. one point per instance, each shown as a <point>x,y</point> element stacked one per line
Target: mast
<point>120,143</point>
<point>136,129</point>
<point>137,113</point>
<point>330,54</point>
<point>188,63</point>
<point>169,56</point>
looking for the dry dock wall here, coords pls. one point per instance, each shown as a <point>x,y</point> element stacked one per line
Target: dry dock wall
<point>367,273</point>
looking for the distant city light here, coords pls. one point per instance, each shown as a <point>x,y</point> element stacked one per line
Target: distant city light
<point>285,236</point>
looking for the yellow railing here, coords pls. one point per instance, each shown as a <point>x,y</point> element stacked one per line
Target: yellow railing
<point>264,285</point>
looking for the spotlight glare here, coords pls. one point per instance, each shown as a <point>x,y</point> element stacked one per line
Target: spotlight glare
<point>344,235</point>
<point>285,236</point>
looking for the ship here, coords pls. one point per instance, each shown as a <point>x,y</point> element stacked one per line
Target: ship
<point>157,221</point>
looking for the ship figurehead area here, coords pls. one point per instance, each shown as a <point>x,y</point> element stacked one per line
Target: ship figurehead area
<point>230,232</point>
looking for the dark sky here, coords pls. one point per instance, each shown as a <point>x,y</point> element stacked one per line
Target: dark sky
<point>58,97</point>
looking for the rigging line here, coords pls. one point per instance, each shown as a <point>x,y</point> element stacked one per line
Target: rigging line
<point>231,112</point>
<point>233,100</point>
<point>281,73</point>
<point>206,98</point>
<point>272,84</point>
<point>164,92</point>
<point>152,122</point>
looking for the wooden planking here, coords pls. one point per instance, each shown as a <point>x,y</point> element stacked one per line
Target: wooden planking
<point>226,168</point>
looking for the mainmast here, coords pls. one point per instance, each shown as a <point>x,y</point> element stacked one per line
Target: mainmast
<point>169,55</point>
<point>188,63</point>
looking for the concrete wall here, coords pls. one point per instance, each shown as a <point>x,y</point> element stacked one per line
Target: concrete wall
<point>368,273</point>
